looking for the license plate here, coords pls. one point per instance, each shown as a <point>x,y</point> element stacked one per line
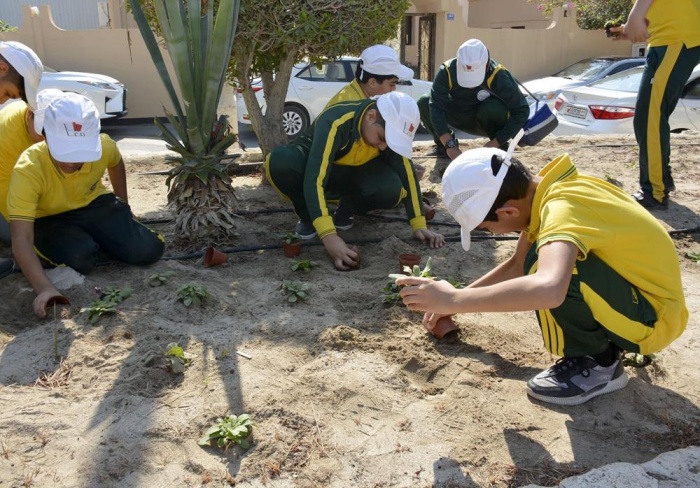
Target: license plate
<point>579,113</point>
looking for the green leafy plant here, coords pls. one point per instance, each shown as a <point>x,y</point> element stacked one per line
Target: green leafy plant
<point>305,265</point>
<point>390,292</point>
<point>693,256</point>
<point>159,279</point>
<point>295,290</point>
<point>176,358</point>
<point>456,282</point>
<point>228,431</point>
<point>97,309</point>
<point>417,271</point>
<point>115,295</point>
<point>191,294</point>
<point>290,238</point>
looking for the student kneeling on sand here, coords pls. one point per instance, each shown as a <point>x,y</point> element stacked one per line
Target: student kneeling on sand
<point>58,207</point>
<point>599,270</point>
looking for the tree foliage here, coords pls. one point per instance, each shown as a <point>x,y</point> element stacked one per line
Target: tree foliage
<point>5,27</point>
<point>591,14</point>
<point>272,35</point>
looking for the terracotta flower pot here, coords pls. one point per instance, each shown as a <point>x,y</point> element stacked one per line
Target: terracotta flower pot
<point>408,259</point>
<point>428,210</point>
<point>57,300</point>
<point>214,257</point>
<point>444,326</point>
<point>291,249</point>
<point>359,258</point>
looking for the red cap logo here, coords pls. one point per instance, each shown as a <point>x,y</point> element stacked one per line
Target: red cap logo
<point>77,127</point>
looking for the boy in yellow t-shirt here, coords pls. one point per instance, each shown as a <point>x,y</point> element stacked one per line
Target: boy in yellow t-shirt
<point>601,272</point>
<point>59,208</point>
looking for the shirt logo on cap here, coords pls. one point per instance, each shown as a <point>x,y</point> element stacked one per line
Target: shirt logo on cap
<point>74,130</point>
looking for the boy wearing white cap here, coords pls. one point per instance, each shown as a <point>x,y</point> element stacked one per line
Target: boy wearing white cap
<point>601,273</point>
<point>475,94</point>
<point>20,74</point>
<point>377,73</point>
<point>343,153</point>
<point>58,207</point>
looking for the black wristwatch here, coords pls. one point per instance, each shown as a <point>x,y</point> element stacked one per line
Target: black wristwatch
<point>452,143</point>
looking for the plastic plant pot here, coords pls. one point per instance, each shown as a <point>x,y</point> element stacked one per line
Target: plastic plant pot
<point>444,326</point>
<point>408,259</point>
<point>214,257</point>
<point>291,250</point>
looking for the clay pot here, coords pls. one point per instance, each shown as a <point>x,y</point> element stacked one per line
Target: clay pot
<point>428,210</point>
<point>57,300</point>
<point>408,259</point>
<point>359,258</point>
<point>214,257</point>
<point>291,249</point>
<point>444,326</point>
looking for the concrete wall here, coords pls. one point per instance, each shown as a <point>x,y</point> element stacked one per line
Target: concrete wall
<point>543,47</point>
<point>118,52</point>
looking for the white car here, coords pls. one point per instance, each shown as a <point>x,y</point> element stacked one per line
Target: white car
<point>607,106</point>
<point>108,94</point>
<point>312,86</point>
<point>582,73</point>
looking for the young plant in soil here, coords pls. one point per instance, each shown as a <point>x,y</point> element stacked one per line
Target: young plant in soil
<point>97,309</point>
<point>176,359</point>
<point>115,295</point>
<point>191,294</point>
<point>416,271</point>
<point>228,431</point>
<point>295,290</point>
<point>305,265</point>
<point>390,292</point>
<point>159,279</point>
<point>290,238</point>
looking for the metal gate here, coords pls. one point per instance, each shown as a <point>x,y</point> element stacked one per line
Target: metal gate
<point>426,51</point>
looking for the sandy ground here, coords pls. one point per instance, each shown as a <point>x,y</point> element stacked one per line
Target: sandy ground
<point>343,390</point>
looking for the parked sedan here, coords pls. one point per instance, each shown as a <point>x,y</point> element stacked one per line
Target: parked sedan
<point>582,73</point>
<point>108,94</point>
<point>607,106</point>
<point>312,86</point>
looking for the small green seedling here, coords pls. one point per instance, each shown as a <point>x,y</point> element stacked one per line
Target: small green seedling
<point>176,358</point>
<point>97,309</point>
<point>305,265</point>
<point>693,256</point>
<point>115,295</point>
<point>228,431</point>
<point>290,238</point>
<point>390,292</point>
<point>456,283</point>
<point>416,271</point>
<point>191,294</point>
<point>613,23</point>
<point>159,279</point>
<point>295,290</point>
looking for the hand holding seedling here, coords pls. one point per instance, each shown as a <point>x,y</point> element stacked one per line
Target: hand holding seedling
<point>427,295</point>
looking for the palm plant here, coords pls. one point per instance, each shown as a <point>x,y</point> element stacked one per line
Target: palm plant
<point>199,44</point>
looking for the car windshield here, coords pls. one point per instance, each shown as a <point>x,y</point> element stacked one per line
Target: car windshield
<point>586,69</point>
<point>627,81</point>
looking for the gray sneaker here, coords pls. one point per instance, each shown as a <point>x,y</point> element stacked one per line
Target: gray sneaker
<point>7,267</point>
<point>305,230</point>
<point>573,381</point>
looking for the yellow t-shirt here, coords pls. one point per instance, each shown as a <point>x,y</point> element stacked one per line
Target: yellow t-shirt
<point>349,93</point>
<point>39,188</point>
<point>14,139</point>
<point>674,21</point>
<point>598,217</point>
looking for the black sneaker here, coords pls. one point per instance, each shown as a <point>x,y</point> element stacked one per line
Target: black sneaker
<point>439,152</point>
<point>305,230</point>
<point>573,381</point>
<point>343,218</point>
<point>7,267</point>
<point>648,201</point>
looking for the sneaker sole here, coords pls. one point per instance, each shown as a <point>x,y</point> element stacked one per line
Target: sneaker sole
<point>306,237</point>
<point>617,384</point>
<point>344,227</point>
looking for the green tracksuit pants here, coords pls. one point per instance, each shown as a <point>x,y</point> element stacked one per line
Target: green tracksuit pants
<point>666,71</point>
<point>600,307</point>
<point>488,118</point>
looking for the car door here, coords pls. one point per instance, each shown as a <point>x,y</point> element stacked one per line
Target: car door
<point>687,112</point>
<point>316,84</point>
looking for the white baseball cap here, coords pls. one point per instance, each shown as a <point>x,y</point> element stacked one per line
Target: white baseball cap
<point>72,128</point>
<point>469,187</point>
<point>27,64</point>
<point>382,60</point>
<point>400,112</point>
<point>42,101</point>
<point>472,57</point>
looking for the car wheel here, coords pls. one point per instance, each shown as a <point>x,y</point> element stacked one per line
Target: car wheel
<point>295,120</point>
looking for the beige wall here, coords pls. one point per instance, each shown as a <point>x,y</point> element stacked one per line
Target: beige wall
<point>542,48</point>
<point>120,53</point>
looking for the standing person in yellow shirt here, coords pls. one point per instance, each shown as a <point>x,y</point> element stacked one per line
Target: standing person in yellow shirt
<point>672,28</point>
<point>58,207</point>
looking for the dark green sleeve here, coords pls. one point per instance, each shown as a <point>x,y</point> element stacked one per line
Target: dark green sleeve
<point>440,101</point>
<point>507,89</point>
